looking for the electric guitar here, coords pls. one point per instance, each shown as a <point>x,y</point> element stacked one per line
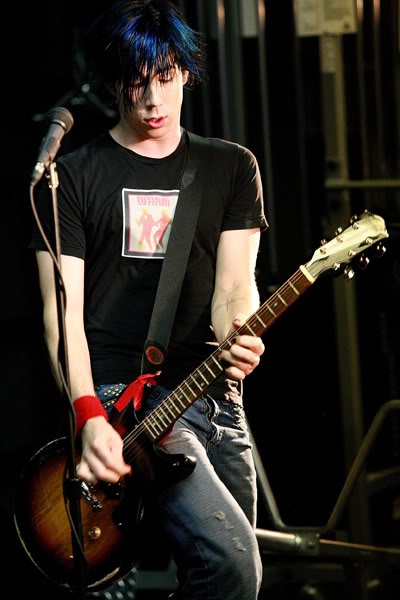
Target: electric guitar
<point>111,515</point>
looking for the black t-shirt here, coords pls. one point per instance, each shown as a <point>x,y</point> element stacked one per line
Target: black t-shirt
<point>115,210</point>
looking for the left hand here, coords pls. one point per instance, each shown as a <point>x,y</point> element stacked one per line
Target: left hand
<point>244,355</point>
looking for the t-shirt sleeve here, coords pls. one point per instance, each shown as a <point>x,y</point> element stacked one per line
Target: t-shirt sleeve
<point>68,213</point>
<point>246,206</point>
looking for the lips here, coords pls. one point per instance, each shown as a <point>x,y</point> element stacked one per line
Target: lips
<point>156,122</point>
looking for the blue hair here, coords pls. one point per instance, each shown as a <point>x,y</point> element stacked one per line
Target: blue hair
<point>137,38</point>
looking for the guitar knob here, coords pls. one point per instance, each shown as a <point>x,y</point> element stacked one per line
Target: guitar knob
<point>94,533</point>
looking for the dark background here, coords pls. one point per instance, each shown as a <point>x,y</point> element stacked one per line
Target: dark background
<point>296,401</point>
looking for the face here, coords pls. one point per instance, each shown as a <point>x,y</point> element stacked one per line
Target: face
<point>156,109</point>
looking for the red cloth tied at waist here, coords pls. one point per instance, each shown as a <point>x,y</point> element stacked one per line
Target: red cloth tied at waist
<point>134,391</point>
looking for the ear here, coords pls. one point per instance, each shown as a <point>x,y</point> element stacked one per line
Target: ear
<point>185,77</point>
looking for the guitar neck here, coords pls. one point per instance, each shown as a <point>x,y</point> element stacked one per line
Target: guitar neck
<point>161,419</point>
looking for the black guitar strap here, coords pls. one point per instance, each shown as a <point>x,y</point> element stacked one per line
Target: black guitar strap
<point>176,256</point>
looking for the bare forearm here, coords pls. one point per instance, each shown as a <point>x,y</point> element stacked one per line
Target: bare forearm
<point>227,305</point>
<point>77,370</point>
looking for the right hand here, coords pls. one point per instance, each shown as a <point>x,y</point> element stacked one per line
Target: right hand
<point>101,457</point>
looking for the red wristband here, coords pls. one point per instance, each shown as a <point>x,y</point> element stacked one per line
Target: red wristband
<point>85,408</point>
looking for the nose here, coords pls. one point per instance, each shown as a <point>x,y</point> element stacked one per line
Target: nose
<point>153,95</point>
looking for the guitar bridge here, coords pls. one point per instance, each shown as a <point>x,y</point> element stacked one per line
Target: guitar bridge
<point>87,494</point>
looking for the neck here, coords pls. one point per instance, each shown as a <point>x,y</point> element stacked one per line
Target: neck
<point>146,146</point>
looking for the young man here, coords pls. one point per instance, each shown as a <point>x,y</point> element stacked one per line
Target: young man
<point>113,196</point>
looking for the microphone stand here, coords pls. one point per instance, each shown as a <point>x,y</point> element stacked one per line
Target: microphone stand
<point>80,97</point>
<point>81,92</point>
<point>72,485</point>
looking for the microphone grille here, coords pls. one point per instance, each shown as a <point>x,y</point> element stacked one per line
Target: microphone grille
<point>62,116</point>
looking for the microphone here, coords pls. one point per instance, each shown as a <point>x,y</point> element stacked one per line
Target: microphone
<point>61,121</point>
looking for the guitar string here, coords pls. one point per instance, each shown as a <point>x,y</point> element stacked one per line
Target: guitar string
<point>276,299</point>
<point>133,449</point>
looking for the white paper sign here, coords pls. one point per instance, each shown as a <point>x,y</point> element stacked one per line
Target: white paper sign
<point>319,17</point>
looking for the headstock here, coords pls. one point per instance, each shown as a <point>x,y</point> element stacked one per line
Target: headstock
<point>350,245</point>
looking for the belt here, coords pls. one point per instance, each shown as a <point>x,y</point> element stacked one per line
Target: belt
<point>110,393</point>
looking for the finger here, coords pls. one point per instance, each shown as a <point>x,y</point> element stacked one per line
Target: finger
<point>240,358</point>
<point>102,466</point>
<point>96,473</point>
<point>113,459</point>
<point>86,474</point>
<point>254,344</point>
<point>235,373</point>
<point>239,320</point>
<point>244,353</point>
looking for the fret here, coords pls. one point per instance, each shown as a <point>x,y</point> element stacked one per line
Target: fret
<point>172,404</point>
<point>169,408</point>
<point>183,392</point>
<point>296,291</point>
<point>257,316</point>
<point>282,300</point>
<point>218,364</point>
<point>201,374</point>
<point>209,369</point>
<point>151,423</point>
<point>199,385</point>
<point>189,388</point>
<point>178,398</point>
<point>157,421</point>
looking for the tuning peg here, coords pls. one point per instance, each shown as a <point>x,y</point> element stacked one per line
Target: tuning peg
<point>353,219</point>
<point>338,231</point>
<point>380,250</point>
<point>348,273</point>
<point>363,262</point>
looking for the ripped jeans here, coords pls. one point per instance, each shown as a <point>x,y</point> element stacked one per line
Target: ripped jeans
<point>209,518</point>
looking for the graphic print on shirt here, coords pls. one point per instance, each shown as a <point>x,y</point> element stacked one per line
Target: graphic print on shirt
<point>148,216</point>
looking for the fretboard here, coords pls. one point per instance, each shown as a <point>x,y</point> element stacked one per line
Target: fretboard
<point>162,418</point>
